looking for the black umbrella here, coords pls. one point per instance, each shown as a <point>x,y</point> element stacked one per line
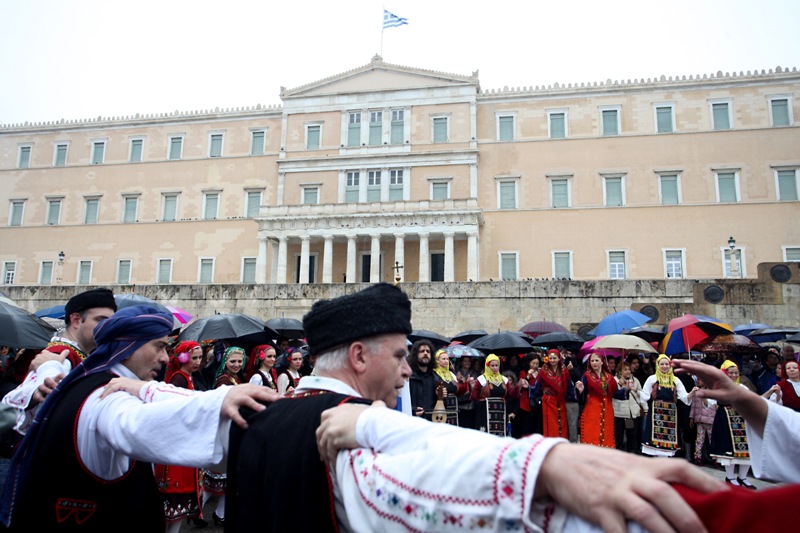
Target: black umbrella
<point>245,328</point>
<point>468,336</point>
<point>503,343</point>
<point>794,339</point>
<point>21,329</point>
<point>437,340</point>
<point>647,333</point>
<point>559,339</point>
<point>291,328</point>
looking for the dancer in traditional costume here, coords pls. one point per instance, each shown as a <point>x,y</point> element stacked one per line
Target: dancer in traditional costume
<point>554,386</point>
<point>490,390</point>
<point>598,387</point>
<point>452,388</point>
<point>262,361</point>
<point>662,391</point>
<point>790,386</point>
<point>288,380</point>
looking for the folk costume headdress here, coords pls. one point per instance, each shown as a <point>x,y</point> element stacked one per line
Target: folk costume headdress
<point>730,364</point>
<point>222,365</point>
<point>443,372</point>
<point>665,379</point>
<point>495,378</point>
<point>180,354</point>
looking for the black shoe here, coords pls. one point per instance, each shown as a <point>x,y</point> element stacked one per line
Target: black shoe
<point>198,522</point>
<point>746,484</point>
<point>729,481</point>
<point>219,522</point>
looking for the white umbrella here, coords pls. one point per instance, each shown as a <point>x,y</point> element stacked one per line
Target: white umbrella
<point>626,343</point>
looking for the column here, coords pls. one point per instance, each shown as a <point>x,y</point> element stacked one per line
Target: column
<point>472,256</point>
<point>399,254</point>
<point>375,259</point>
<point>327,260</point>
<point>279,193</point>
<point>424,259</point>
<point>273,268</point>
<point>351,259</point>
<point>261,261</point>
<point>473,181</point>
<point>449,270</point>
<point>280,275</point>
<point>305,241</point>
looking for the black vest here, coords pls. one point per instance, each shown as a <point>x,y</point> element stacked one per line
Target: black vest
<point>60,494</point>
<point>276,480</point>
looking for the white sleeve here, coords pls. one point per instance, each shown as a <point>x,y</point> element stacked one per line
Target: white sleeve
<point>436,477</point>
<point>681,391</point>
<point>647,388</point>
<point>283,384</point>
<point>20,397</point>
<point>256,379</point>
<point>772,454</point>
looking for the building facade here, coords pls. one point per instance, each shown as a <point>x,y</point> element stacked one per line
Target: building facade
<point>387,171</point>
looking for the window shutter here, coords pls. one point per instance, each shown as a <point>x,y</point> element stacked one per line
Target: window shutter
<point>787,185</point>
<point>610,122</point>
<point>669,190</point>
<point>721,118</point>
<point>727,187</point>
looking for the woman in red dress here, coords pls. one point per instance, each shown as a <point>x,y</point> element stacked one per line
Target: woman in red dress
<point>790,386</point>
<point>598,387</point>
<point>554,386</point>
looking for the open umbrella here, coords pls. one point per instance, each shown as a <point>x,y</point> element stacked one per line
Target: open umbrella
<point>772,334</point>
<point>455,351</point>
<point>621,320</point>
<point>228,326</point>
<point>291,328</point>
<point>744,329</point>
<point>729,343</point>
<point>559,339</point>
<point>540,327</point>
<point>648,333</point>
<point>438,341</point>
<point>687,330</point>
<point>468,336</point>
<point>794,339</point>
<point>4,298</point>
<point>130,299</point>
<point>180,315</point>
<point>624,343</point>
<point>503,343</point>
<point>56,311</point>
<point>21,329</point>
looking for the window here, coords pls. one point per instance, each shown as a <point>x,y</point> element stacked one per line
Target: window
<point>84,272</point>
<point>210,205</point>
<point>396,184</point>
<point>673,263</point>
<point>507,194</point>
<point>609,119</point>
<point>9,269</point>
<point>398,126</point>
<point>124,272</point>
<point>24,159</point>
<point>351,193</point>
<point>164,274</point>
<point>248,270</point>
<point>54,211</point>
<point>310,195</point>
<point>46,273</point>
<point>16,211</point>
<point>169,207</point>
<point>440,190</point>
<point>437,266</point>
<point>137,146</point>
<point>206,270</point>
<point>131,204</point>
<point>560,192</point>
<point>215,144</point>
<point>562,265</point>
<point>669,189</point>
<point>312,269</point>
<point>505,127</point>
<point>375,128</point>
<point>252,204</point>
<point>60,155</point>
<point>441,127</point>
<point>91,210</point>
<point>720,115</point>
<point>509,265</point>
<point>257,138</point>
<point>665,117</point>
<point>613,191</point>
<point>727,187</point>
<point>374,186</point>
<point>791,253</point>
<point>780,111</point>
<point>354,129</point>
<point>616,265</point>
<point>313,136</point>
<point>787,184</point>
<point>98,152</point>
<point>557,123</point>
<point>726,263</point>
<point>175,148</point>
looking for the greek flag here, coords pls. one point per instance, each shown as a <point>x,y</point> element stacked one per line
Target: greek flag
<point>390,20</point>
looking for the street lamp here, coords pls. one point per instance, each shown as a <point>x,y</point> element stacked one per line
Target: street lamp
<point>732,247</point>
<point>61,257</point>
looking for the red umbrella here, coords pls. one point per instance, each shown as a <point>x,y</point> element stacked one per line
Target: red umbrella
<point>684,332</point>
<point>534,329</point>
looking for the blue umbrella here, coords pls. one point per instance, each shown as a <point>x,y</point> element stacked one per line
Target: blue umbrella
<point>618,322</point>
<point>56,311</point>
<point>746,329</point>
<point>771,334</point>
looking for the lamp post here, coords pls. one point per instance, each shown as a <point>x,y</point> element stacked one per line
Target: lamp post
<point>734,266</point>
<point>397,266</point>
<point>61,257</point>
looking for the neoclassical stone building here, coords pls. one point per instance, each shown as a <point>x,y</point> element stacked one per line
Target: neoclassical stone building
<point>387,171</point>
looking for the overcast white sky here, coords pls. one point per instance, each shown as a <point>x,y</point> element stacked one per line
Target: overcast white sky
<point>77,59</point>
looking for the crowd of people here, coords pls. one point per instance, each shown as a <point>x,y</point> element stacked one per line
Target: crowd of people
<point>116,391</point>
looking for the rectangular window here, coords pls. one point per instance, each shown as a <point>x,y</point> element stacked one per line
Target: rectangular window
<point>508,266</point>
<point>610,119</point>
<point>253,204</point>
<point>562,265</point>
<point>664,119</point>
<point>136,150</point>
<point>374,186</point>
<point>98,152</point>
<point>124,272</point>
<point>24,160</point>
<point>210,205</point>
<point>131,208</point>
<point>375,128</point>
<point>616,265</point>
<point>779,108</point>
<point>17,210</point>
<point>92,210</point>
<point>164,271</point>
<point>313,133</point>
<point>312,269</point>
<point>46,273</point>
<point>9,269</point>
<point>437,266</point>
<point>668,184</point>
<point>557,124</point>
<point>559,192</point>
<point>440,129</point>
<point>53,212</point>
<point>169,211</point>
<point>396,184</point>
<point>787,185</point>
<point>398,126</point>
<point>354,129</point>
<point>720,114</point>
<point>84,272</point>
<point>673,263</point>
<point>175,148</point>
<point>310,195</point>
<point>60,157</point>
<point>248,270</point>
<point>257,138</point>
<point>791,254</point>
<point>727,187</point>
<point>737,254</point>
<point>505,127</point>
<point>215,145</point>
<point>206,274</point>
<point>613,191</point>
<point>351,194</point>
<point>440,190</point>
<point>507,194</point>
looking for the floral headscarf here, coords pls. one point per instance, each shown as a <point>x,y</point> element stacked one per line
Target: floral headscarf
<point>221,370</point>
